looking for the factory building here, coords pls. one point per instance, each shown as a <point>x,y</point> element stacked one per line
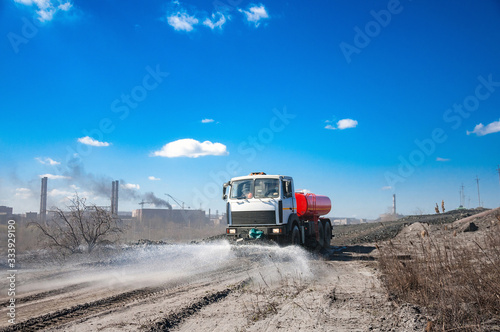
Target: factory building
<point>5,214</point>
<point>189,218</point>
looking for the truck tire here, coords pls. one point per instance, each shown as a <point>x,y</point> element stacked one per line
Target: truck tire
<point>321,241</point>
<point>328,234</point>
<point>295,236</point>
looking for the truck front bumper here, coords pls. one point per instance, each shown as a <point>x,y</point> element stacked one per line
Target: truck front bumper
<point>269,231</point>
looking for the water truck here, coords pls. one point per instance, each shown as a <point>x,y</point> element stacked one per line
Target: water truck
<point>267,206</point>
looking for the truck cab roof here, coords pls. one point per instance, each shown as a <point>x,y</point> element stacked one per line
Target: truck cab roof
<point>259,176</point>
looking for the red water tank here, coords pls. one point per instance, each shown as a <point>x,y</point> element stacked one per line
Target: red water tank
<point>310,206</point>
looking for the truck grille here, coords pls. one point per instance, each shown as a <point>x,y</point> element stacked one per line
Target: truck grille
<point>253,218</point>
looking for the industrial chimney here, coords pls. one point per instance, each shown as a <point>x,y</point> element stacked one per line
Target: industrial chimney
<point>394,204</point>
<point>114,198</point>
<point>43,200</point>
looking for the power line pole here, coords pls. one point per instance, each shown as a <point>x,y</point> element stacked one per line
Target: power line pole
<point>478,195</point>
<point>462,195</point>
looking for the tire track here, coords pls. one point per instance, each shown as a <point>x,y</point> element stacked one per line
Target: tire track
<point>42,295</point>
<point>81,310</point>
<point>175,318</point>
<point>66,315</point>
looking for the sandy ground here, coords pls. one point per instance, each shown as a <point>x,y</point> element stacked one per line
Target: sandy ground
<point>210,287</point>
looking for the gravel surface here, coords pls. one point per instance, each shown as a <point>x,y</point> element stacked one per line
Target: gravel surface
<point>345,235</point>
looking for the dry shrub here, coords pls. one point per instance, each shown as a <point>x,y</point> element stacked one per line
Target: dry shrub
<point>458,281</point>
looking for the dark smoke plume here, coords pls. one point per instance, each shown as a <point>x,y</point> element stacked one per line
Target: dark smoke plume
<point>158,202</point>
<point>98,184</point>
<point>101,185</point>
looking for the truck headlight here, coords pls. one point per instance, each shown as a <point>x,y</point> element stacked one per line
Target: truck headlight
<point>277,230</point>
<point>231,231</point>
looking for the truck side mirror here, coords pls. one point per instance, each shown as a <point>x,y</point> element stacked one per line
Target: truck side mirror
<point>224,187</point>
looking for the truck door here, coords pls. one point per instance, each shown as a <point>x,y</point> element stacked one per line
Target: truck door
<point>287,198</point>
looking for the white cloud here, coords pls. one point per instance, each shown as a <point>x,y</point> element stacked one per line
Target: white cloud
<point>342,124</point>
<point>255,14</point>
<point>182,21</point>
<point>65,6</point>
<point>191,148</point>
<point>23,193</point>
<point>46,9</point>
<point>346,123</point>
<point>87,140</point>
<point>47,161</point>
<point>481,130</point>
<point>54,177</point>
<point>152,178</point>
<point>45,14</point>
<point>387,188</point>
<point>442,159</point>
<point>212,23</point>
<point>207,120</point>
<point>130,186</point>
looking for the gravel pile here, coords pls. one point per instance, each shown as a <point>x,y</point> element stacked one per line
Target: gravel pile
<point>381,231</point>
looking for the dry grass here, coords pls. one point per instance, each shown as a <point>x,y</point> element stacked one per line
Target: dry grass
<point>456,278</point>
<point>265,298</point>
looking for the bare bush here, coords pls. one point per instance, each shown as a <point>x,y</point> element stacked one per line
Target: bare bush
<point>83,225</point>
<point>456,280</point>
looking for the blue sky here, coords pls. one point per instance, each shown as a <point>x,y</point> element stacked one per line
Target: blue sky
<point>357,100</point>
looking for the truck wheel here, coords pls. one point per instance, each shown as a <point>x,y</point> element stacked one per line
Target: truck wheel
<point>321,240</point>
<point>295,238</point>
<point>328,235</point>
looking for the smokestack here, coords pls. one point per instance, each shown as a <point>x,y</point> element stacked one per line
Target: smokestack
<point>114,198</point>
<point>394,204</point>
<point>43,200</point>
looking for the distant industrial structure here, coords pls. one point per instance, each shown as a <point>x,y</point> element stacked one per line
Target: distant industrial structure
<point>114,198</point>
<point>5,214</point>
<point>143,217</point>
<point>6,210</point>
<point>392,215</point>
<point>348,221</point>
<point>216,219</point>
<point>43,200</point>
<point>188,218</point>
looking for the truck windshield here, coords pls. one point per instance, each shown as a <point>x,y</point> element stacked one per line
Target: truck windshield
<point>266,188</point>
<point>242,189</point>
<point>260,188</point>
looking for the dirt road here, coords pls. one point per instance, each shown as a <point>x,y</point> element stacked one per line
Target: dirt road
<point>209,287</point>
